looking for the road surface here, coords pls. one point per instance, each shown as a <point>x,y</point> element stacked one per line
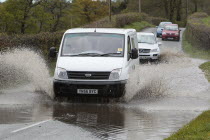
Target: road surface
<point>26,114</point>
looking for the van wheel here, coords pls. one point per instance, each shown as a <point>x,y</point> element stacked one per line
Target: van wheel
<point>120,92</point>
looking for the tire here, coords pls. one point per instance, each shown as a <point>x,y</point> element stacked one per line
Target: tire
<point>120,91</point>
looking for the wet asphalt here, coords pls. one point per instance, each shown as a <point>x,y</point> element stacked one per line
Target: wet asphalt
<point>25,114</point>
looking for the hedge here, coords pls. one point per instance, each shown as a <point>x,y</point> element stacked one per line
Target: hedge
<point>197,32</point>
<point>43,41</point>
<point>120,20</point>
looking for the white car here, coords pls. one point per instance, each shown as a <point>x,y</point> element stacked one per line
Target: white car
<point>95,62</point>
<point>148,46</point>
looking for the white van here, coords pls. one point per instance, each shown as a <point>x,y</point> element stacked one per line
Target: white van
<point>95,61</point>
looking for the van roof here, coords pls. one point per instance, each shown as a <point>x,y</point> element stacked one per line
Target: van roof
<point>100,30</point>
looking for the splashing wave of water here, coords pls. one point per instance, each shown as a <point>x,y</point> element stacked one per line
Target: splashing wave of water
<point>21,66</point>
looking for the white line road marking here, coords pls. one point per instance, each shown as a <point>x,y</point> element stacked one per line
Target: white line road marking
<point>15,131</point>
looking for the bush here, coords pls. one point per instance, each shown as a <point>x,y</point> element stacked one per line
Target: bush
<point>198,33</point>
<point>42,41</point>
<point>128,18</point>
<point>121,20</point>
<point>155,20</point>
<point>139,25</point>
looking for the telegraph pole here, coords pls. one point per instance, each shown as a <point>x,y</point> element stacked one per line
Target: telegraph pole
<point>110,10</point>
<point>139,6</point>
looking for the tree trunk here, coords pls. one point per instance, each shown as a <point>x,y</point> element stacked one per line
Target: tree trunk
<point>165,5</point>
<point>179,6</point>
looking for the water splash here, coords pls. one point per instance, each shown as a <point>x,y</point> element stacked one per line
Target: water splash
<point>174,75</point>
<point>21,66</point>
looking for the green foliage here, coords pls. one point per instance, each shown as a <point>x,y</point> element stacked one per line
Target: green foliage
<point>41,41</point>
<point>139,25</point>
<point>29,16</point>
<point>198,129</point>
<point>120,20</point>
<point>174,10</point>
<point>206,69</point>
<point>128,18</point>
<point>194,51</point>
<point>206,21</point>
<point>197,32</point>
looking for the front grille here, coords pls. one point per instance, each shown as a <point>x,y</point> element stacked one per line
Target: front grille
<point>88,75</point>
<point>144,50</point>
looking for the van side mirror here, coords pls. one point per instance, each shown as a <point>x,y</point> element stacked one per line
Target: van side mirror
<point>53,52</point>
<point>134,53</point>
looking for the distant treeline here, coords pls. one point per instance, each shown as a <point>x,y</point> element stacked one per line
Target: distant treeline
<point>44,40</point>
<point>35,16</point>
<point>174,10</point>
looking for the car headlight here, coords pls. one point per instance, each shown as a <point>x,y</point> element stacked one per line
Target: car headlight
<point>154,50</point>
<point>62,73</point>
<point>115,74</point>
<point>163,33</point>
<point>176,33</point>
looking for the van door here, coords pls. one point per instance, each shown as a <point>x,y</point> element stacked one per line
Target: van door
<point>130,46</point>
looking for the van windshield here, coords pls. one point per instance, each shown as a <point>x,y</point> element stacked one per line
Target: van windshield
<point>93,44</point>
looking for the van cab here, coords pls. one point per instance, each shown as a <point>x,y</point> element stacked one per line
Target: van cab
<point>95,62</point>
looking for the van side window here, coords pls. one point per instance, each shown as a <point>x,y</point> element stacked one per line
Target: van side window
<point>129,48</point>
<point>133,43</point>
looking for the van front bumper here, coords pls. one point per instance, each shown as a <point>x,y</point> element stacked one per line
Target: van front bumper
<point>105,88</point>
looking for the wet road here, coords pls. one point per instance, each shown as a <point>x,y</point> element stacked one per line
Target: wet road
<point>25,114</point>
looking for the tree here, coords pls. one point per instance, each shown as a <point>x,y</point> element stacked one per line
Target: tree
<point>20,10</point>
<point>86,11</point>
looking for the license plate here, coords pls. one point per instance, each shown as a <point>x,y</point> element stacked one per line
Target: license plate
<point>87,91</point>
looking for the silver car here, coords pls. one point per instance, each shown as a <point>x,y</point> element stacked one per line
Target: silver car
<point>148,46</point>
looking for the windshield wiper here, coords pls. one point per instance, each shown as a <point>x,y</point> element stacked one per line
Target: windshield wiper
<point>108,54</point>
<point>86,54</point>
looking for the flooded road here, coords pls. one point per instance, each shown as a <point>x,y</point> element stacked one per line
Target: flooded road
<point>172,93</point>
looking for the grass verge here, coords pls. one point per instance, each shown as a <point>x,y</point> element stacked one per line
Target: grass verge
<point>139,25</point>
<point>194,52</point>
<point>206,69</point>
<point>198,129</point>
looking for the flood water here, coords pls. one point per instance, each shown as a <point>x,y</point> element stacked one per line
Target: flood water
<point>170,95</point>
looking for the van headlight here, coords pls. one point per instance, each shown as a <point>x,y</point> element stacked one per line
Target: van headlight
<point>154,50</point>
<point>115,74</point>
<point>62,73</point>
